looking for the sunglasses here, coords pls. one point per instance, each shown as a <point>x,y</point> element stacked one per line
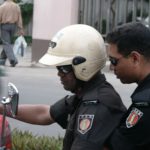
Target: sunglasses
<point>114,61</point>
<point>65,69</point>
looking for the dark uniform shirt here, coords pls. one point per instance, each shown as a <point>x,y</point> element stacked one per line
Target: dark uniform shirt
<point>134,130</point>
<point>90,120</point>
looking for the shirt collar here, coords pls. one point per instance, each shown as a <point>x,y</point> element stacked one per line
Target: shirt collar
<point>86,91</point>
<point>142,90</point>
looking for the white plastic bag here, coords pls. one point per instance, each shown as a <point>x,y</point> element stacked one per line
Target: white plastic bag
<point>20,46</point>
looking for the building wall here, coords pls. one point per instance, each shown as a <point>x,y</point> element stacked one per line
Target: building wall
<point>49,16</point>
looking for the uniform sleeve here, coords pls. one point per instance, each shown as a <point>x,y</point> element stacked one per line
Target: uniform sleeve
<point>0,15</point>
<point>95,126</point>
<point>119,142</point>
<point>134,130</point>
<point>59,112</point>
<point>19,22</point>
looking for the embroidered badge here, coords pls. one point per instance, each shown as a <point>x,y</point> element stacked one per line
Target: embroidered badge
<point>85,123</point>
<point>133,117</point>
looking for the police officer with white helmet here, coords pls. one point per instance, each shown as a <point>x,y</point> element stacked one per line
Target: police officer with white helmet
<point>94,108</point>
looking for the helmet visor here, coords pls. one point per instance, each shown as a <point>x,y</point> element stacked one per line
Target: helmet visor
<point>52,60</point>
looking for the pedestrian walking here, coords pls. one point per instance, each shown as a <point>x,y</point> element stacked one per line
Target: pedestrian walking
<point>10,20</point>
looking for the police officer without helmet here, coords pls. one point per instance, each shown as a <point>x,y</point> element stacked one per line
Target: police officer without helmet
<point>129,54</point>
<point>95,108</point>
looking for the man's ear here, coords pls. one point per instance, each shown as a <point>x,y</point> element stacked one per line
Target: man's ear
<point>136,56</point>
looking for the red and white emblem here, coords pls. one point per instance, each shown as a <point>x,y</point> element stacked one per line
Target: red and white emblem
<point>133,117</point>
<point>85,123</point>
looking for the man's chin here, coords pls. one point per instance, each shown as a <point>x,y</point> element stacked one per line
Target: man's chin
<point>66,88</point>
<point>125,81</point>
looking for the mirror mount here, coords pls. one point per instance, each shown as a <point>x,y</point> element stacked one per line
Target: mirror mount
<point>10,108</point>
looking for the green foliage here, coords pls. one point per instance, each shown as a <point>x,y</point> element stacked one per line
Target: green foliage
<point>27,12</point>
<point>103,26</point>
<point>26,141</point>
<point>17,1</point>
<point>27,38</point>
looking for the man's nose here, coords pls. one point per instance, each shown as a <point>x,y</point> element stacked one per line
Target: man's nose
<point>60,74</point>
<point>111,67</point>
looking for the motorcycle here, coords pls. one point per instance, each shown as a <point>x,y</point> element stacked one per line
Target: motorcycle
<point>10,107</point>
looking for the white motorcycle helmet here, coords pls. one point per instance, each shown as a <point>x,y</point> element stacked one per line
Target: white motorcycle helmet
<point>78,45</point>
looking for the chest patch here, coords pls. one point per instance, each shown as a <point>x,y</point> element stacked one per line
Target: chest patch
<point>85,123</point>
<point>133,117</point>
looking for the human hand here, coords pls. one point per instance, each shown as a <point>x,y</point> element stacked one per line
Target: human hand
<point>20,32</point>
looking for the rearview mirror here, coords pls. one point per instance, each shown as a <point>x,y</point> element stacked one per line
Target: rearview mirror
<point>10,108</point>
<point>12,99</point>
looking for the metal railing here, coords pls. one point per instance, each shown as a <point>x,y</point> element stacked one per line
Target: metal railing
<point>105,15</point>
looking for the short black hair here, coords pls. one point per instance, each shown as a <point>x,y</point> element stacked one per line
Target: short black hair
<point>130,37</point>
